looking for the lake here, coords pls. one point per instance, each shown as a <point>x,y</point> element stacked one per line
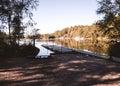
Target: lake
<point>99,47</point>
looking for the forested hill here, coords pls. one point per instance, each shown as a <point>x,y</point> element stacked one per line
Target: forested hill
<point>91,31</point>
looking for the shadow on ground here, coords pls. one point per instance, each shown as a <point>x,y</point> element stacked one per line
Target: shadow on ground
<point>60,70</point>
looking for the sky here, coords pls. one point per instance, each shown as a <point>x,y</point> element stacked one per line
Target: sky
<point>53,15</point>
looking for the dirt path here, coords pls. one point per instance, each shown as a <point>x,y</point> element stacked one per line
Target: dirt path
<point>60,70</point>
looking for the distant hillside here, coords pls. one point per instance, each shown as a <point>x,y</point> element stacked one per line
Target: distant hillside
<point>88,32</point>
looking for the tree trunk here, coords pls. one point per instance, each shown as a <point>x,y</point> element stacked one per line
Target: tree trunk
<point>33,41</point>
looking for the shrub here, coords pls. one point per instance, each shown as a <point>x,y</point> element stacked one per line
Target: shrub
<point>14,50</point>
<point>7,50</point>
<point>2,49</point>
<point>28,50</point>
<point>114,49</point>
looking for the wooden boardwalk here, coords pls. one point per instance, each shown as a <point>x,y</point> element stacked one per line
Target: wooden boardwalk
<point>59,49</point>
<point>67,50</point>
<point>44,53</point>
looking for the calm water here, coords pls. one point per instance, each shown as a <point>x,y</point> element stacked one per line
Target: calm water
<point>99,47</point>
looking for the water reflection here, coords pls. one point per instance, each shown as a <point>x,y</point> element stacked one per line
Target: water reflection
<point>99,47</point>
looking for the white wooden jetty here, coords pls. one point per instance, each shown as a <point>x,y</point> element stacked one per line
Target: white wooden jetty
<point>64,50</point>
<point>92,54</point>
<point>87,53</point>
<point>59,49</point>
<point>44,53</point>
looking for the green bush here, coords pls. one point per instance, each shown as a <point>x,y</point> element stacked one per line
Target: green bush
<point>28,50</point>
<point>14,50</point>
<point>114,50</point>
<point>2,49</point>
<point>7,50</point>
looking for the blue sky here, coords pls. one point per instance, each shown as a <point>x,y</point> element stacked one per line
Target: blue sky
<point>52,15</point>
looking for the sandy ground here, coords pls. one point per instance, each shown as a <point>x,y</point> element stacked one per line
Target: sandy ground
<point>59,70</point>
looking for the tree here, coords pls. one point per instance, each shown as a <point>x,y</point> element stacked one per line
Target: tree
<point>110,24</point>
<point>12,12</point>
<point>34,35</point>
<point>5,13</point>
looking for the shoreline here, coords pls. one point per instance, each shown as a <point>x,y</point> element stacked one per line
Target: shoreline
<point>59,49</point>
